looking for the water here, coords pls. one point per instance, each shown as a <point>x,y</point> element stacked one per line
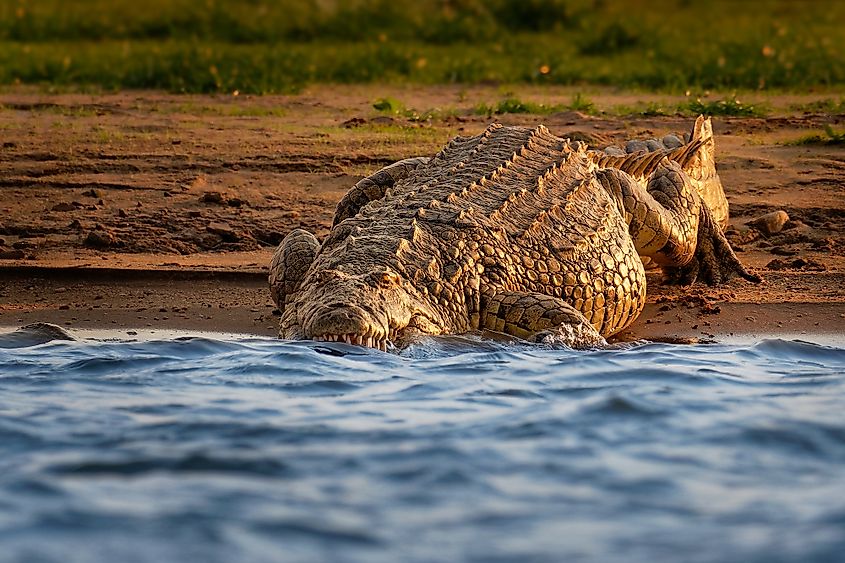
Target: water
<point>202,449</point>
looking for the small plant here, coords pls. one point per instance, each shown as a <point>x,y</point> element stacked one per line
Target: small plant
<point>395,107</point>
<point>512,104</point>
<point>389,105</point>
<point>653,109</point>
<point>581,103</point>
<point>429,115</point>
<point>830,137</point>
<point>731,107</point>
<point>834,138</point>
<point>508,105</point>
<point>515,105</point>
<point>828,105</point>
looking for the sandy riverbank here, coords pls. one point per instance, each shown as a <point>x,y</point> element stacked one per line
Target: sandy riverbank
<point>144,210</point>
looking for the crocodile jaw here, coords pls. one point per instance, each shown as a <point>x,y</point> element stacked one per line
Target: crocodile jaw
<point>356,340</point>
<point>352,309</point>
<point>347,322</point>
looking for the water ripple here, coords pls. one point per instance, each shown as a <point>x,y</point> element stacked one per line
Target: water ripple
<point>458,449</point>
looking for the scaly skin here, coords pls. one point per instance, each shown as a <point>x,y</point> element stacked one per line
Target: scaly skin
<point>695,157</point>
<point>514,230</point>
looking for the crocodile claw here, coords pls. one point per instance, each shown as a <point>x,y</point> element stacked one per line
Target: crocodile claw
<point>714,261</point>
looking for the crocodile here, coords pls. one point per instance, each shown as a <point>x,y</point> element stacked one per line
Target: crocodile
<point>514,230</point>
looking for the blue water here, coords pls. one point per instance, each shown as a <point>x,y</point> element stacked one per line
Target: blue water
<point>201,449</point>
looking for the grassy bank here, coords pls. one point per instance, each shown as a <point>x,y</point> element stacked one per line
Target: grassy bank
<point>262,47</point>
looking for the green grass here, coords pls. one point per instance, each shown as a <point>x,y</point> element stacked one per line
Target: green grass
<point>512,104</point>
<point>722,107</point>
<point>730,107</point>
<point>828,106</point>
<point>227,110</point>
<point>515,105</point>
<point>58,109</point>
<point>829,137</point>
<point>393,106</point>
<point>654,109</point>
<point>259,46</point>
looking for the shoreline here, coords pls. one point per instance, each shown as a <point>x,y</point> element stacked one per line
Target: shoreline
<point>151,211</point>
<point>123,302</point>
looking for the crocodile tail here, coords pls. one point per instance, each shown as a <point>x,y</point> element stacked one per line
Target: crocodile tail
<point>703,129</point>
<point>698,159</point>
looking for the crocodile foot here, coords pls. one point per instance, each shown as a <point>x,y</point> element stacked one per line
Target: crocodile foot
<point>714,261</point>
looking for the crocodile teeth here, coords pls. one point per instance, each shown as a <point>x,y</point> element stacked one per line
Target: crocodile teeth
<point>378,341</point>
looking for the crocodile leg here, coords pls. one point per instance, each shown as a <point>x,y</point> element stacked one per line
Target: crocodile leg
<point>291,261</point>
<point>374,187</point>
<point>539,318</point>
<point>669,223</point>
<point>714,261</point>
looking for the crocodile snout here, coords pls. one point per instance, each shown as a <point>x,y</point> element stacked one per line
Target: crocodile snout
<point>339,320</point>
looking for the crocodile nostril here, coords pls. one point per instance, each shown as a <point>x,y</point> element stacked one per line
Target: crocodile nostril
<point>337,319</point>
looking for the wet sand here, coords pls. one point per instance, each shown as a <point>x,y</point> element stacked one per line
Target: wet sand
<point>156,212</point>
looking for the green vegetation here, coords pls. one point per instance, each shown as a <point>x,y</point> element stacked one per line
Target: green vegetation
<point>515,105</point>
<point>395,107</point>
<point>389,105</point>
<point>728,107</point>
<point>830,137</point>
<point>228,110</point>
<point>582,104</point>
<point>653,109</point>
<point>512,104</point>
<point>258,46</point>
<point>828,105</point>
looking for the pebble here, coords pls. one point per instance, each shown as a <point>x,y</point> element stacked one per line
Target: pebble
<point>64,206</point>
<point>770,223</point>
<point>672,142</point>
<point>635,145</point>
<point>213,197</point>
<point>653,145</point>
<point>796,264</point>
<point>224,231</point>
<point>100,238</point>
<point>614,151</point>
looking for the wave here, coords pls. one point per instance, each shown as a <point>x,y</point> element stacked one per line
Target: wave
<point>456,449</point>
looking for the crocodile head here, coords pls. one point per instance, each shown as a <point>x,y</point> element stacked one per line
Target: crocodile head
<point>378,308</point>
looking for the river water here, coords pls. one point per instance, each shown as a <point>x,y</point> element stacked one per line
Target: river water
<point>227,449</point>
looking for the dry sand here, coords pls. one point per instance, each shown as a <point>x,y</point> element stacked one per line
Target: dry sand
<point>150,211</point>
